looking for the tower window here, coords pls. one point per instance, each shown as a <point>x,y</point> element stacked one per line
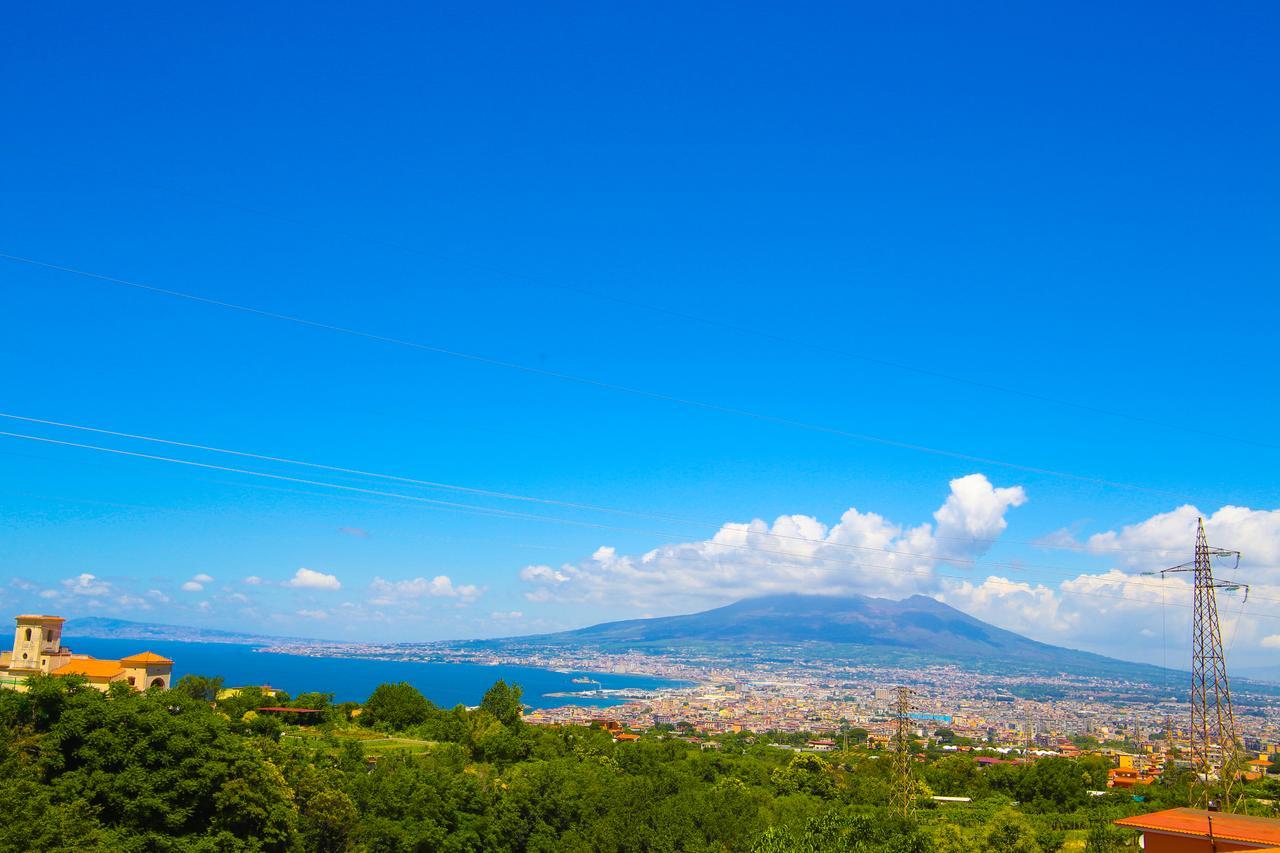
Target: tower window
<point>28,635</point>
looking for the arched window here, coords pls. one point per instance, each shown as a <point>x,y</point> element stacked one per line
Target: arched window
<point>157,682</point>
<point>28,635</point>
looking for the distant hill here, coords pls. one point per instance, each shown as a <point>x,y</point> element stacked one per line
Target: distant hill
<point>780,628</point>
<point>1258,673</point>
<point>882,629</point>
<point>122,629</point>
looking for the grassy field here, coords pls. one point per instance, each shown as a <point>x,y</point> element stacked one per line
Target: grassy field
<point>374,743</point>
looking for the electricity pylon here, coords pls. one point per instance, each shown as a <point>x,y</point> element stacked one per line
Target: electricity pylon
<point>1028,733</point>
<point>903,793</point>
<point>1213,723</point>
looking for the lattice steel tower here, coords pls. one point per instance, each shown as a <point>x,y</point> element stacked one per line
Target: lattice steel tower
<point>903,793</point>
<point>1213,724</point>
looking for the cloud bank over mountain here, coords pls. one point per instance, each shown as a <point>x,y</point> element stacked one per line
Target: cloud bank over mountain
<point>863,552</point>
<point>1115,609</point>
<point>1098,597</point>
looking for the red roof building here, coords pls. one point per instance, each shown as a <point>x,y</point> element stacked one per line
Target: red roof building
<point>1200,831</point>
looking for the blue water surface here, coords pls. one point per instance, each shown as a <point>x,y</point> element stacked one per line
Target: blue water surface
<point>446,684</point>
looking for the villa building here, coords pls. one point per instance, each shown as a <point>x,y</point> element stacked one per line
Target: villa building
<point>38,649</point>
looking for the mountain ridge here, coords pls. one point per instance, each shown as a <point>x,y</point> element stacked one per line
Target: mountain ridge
<point>915,626</point>
<point>102,627</point>
<point>781,627</point>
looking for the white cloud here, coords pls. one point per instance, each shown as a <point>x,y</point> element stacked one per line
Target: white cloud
<point>863,552</point>
<point>1115,613</point>
<point>253,580</point>
<point>197,583</point>
<point>157,595</point>
<point>313,614</point>
<point>1169,538</point>
<point>86,584</point>
<point>308,579</point>
<point>973,512</point>
<point>441,586</point>
<point>1096,610</point>
<point>506,616</point>
<point>1107,611</point>
<point>1113,609</point>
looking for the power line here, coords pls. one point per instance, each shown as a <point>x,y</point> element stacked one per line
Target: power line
<point>720,324</point>
<point>1014,566</point>
<point>542,500</point>
<point>341,470</point>
<point>486,511</point>
<point>596,383</point>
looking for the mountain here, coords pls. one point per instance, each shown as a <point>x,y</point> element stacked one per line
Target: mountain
<point>883,629</point>
<point>123,629</point>
<point>1258,673</point>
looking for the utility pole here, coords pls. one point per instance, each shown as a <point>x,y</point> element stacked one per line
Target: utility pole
<point>903,793</point>
<point>1213,724</point>
<point>1135,732</point>
<point>1028,733</point>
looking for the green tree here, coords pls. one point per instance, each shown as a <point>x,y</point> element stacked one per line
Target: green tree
<point>200,687</point>
<point>837,833</point>
<point>329,817</point>
<point>503,702</point>
<point>956,776</point>
<point>1105,837</point>
<point>1053,784</point>
<point>1096,767</point>
<point>806,773</point>
<point>397,706</point>
<point>312,701</point>
<point>1009,832</point>
<point>244,699</point>
<point>949,838</point>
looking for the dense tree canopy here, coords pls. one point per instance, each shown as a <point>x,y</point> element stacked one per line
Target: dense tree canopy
<point>178,770</point>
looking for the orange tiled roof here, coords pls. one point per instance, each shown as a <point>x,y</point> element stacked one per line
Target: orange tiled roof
<point>90,667</point>
<point>145,659</point>
<point>1195,822</point>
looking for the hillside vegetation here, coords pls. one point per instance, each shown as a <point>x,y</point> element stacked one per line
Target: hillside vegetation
<point>178,770</point>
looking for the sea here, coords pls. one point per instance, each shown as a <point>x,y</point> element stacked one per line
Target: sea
<point>353,679</point>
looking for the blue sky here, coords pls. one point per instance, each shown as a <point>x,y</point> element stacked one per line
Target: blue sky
<point>754,208</point>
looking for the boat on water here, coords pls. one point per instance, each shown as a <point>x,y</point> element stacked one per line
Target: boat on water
<point>583,679</point>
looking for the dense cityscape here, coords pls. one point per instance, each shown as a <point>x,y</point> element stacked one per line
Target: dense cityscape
<point>1057,711</point>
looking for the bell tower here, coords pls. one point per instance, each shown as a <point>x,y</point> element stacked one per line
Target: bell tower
<point>35,641</point>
